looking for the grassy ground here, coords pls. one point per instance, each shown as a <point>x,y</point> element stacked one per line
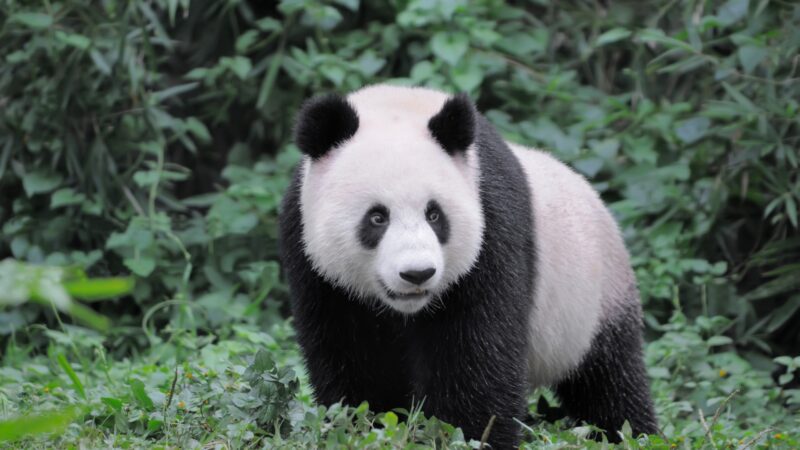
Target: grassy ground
<point>249,391</point>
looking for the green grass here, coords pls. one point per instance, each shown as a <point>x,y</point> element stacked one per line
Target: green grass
<point>249,391</point>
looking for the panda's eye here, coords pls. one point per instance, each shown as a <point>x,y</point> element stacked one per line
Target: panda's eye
<point>377,219</point>
<point>433,216</point>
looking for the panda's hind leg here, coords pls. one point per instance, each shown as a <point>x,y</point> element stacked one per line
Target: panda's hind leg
<point>610,386</point>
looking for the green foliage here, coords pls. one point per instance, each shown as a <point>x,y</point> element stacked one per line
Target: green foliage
<point>152,139</point>
<point>243,392</point>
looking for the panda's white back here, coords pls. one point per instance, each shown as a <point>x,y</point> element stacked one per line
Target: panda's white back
<point>582,267</point>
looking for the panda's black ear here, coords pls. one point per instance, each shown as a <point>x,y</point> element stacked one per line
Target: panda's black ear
<point>324,122</point>
<point>454,126</point>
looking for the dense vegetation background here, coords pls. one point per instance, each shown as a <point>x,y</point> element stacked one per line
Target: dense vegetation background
<point>149,141</point>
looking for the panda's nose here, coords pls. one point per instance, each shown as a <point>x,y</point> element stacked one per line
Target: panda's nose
<point>417,276</point>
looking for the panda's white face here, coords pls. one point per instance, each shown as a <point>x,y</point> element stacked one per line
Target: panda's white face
<point>389,214</point>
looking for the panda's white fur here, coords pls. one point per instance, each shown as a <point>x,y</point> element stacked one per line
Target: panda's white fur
<point>401,166</point>
<point>393,159</point>
<point>581,263</point>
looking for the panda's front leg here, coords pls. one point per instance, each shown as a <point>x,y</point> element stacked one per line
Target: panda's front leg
<point>351,355</point>
<point>466,371</point>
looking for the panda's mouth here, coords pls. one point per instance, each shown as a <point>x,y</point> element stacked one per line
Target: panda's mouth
<point>417,294</point>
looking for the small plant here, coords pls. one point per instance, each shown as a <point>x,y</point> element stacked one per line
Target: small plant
<point>59,288</point>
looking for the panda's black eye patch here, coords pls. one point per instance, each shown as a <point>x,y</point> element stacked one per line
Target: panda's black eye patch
<point>373,226</point>
<point>438,221</point>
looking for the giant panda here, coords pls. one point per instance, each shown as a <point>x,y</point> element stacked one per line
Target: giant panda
<point>429,260</point>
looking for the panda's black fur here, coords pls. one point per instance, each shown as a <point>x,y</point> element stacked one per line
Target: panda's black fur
<point>467,360</point>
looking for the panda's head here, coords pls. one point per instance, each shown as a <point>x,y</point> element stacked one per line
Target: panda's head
<point>390,201</point>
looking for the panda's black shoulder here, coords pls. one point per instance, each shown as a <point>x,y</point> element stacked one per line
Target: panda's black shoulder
<point>290,227</point>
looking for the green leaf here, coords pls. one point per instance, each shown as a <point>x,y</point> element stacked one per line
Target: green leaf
<point>783,313</point>
<point>692,130</point>
<point>685,65</point>
<point>66,197</point>
<point>239,65</point>
<point>787,283</point>
<point>243,223</point>
<point>658,372</point>
<point>389,420</point>
<point>76,40</point>
<point>172,7</point>
<point>88,316</point>
<point>352,5</point>
<point>154,425</point>
<point>35,20</point>
<point>99,288</point>
<point>31,425</point>
<point>145,178</point>
<point>716,341</point>
<point>139,393</point>
<point>791,209</point>
<point>750,56</point>
<point>269,24</point>
<point>612,35</point>
<point>784,360</point>
<point>606,149</point>
<point>333,72</point>
<point>658,36</point>
<point>198,129</point>
<point>740,98</point>
<point>450,46</point>
<point>267,84</point>
<point>246,40</point>
<point>198,73</point>
<point>113,403</point>
<point>100,62</point>
<point>322,16</point>
<point>732,11</point>
<point>173,91</point>
<point>589,166</point>
<point>40,181</point>
<point>626,429</point>
<point>524,44</point>
<point>369,63</point>
<point>142,266</point>
<point>719,268</point>
<point>467,76</point>
<point>262,362</point>
<point>422,71</point>
<point>76,382</point>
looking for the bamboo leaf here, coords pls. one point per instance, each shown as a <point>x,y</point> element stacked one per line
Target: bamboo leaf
<point>31,425</point>
<point>99,288</point>
<point>76,382</point>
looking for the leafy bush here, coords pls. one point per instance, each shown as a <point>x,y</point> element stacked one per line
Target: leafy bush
<point>153,139</point>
